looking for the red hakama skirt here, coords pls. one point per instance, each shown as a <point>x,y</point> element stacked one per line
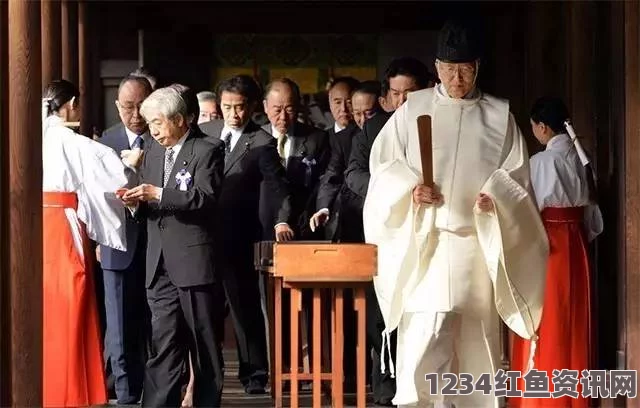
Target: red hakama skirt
<point>73,369</point>
<point>565,333</point>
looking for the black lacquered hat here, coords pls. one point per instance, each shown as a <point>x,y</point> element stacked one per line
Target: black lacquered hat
<point>458,41</point>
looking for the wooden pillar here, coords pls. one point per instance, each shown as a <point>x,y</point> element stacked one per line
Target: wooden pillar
<point>51,45</point>
<point>25,203</point>
<point>84,83</point>
<point>632,186</point>
<point>5,335</point>
<point>69,40</point>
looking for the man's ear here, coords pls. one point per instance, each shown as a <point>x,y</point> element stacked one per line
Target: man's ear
<point>180,120</point>
<point>264,105</point>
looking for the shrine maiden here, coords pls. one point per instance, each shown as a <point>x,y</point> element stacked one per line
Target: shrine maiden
<point>79,181</point>
<point>564,187</point>
<point>455,258</point>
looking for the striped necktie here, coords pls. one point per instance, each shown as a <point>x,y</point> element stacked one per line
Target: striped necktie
<point>168,165</point>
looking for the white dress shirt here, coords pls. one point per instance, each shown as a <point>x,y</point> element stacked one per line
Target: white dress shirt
<point>235,135</point>
<point>132,136</point>
<point>559,179</point>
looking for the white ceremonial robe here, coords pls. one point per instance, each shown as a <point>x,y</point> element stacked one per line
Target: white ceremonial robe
<point>74,163</point>
<point>559,179</point>
<point>447,274</point>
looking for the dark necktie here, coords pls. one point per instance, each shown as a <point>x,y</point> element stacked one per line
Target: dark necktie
<point>227,143</point>
<point>168,165</point>
<point>138,143</point>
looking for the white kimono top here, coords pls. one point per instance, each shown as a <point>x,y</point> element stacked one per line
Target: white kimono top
<point>559,179</point>
<point>74,163</point>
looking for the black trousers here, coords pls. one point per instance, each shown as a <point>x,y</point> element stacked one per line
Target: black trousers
<point>240,280</point>
<point>382,385</point>
<point>182,319</point>
<point>128,327</point>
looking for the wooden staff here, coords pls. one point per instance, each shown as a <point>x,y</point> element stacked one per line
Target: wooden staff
<point>426,153</point>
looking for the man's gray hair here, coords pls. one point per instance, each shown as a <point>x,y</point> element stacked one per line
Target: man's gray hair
<point>207,96</point>
<point>166,101</point>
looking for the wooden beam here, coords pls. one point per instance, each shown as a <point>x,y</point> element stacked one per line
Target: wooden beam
<point>632,186</point>
<point>84,72</point>
<point>69,40</point>
<point>51,43</point>
<point>25,202</point>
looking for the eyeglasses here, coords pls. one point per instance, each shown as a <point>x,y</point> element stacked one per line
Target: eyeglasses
<point>451,70</point>
<point>128,108</point>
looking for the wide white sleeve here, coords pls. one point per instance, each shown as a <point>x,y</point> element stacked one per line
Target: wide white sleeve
<point>514,241</point>
<point>389,216</point>
<point>98,206</point>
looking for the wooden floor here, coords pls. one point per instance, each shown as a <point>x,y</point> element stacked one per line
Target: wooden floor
<point>234,395</point>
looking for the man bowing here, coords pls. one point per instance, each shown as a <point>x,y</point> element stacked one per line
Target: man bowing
<point>458,251</point>
<point>181,176</point>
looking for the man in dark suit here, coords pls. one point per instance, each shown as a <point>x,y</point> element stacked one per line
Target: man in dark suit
<point>305,152</point>
<point>303,149</point>
<point>403,75</point>
<point>251,159</point>
<point>123,271</point>
<point>181,182</point>
<point>335,203</point>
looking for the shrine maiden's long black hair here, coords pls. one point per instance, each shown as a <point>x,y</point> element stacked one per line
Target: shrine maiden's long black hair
<point>554,113</point>
<point>59,92</point>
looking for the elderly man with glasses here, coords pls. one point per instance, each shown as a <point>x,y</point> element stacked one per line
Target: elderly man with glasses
<point>461,251</point>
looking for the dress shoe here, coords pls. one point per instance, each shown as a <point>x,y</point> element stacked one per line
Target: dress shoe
<point>254,386</point>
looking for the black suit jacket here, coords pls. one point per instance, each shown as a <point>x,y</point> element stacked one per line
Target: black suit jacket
<point>308,160</point>
<point>357,174</point>
<point>180,227</point>
<point>253,160</point>
<point>334,193</point>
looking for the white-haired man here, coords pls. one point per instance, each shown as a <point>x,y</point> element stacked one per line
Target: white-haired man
<point>181,179</point>
<point>456,254</point>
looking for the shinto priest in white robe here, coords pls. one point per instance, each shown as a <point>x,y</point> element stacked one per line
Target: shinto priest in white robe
<point>447,275</point>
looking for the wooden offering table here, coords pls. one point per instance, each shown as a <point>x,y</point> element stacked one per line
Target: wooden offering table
<point>327,270</point>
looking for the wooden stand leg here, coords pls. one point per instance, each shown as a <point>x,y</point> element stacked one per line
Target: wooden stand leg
<point>317,339</point>
<point>277,359</point>
<point>304,340</point>
<point>361,355</point>
<point>295,332</point>
<point>337,368</point>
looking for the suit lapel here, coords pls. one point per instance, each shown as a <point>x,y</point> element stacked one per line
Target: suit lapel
<point>302,146</point>
<point>239,150</point>
<point>122,141</point>
<point>156,163</point>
